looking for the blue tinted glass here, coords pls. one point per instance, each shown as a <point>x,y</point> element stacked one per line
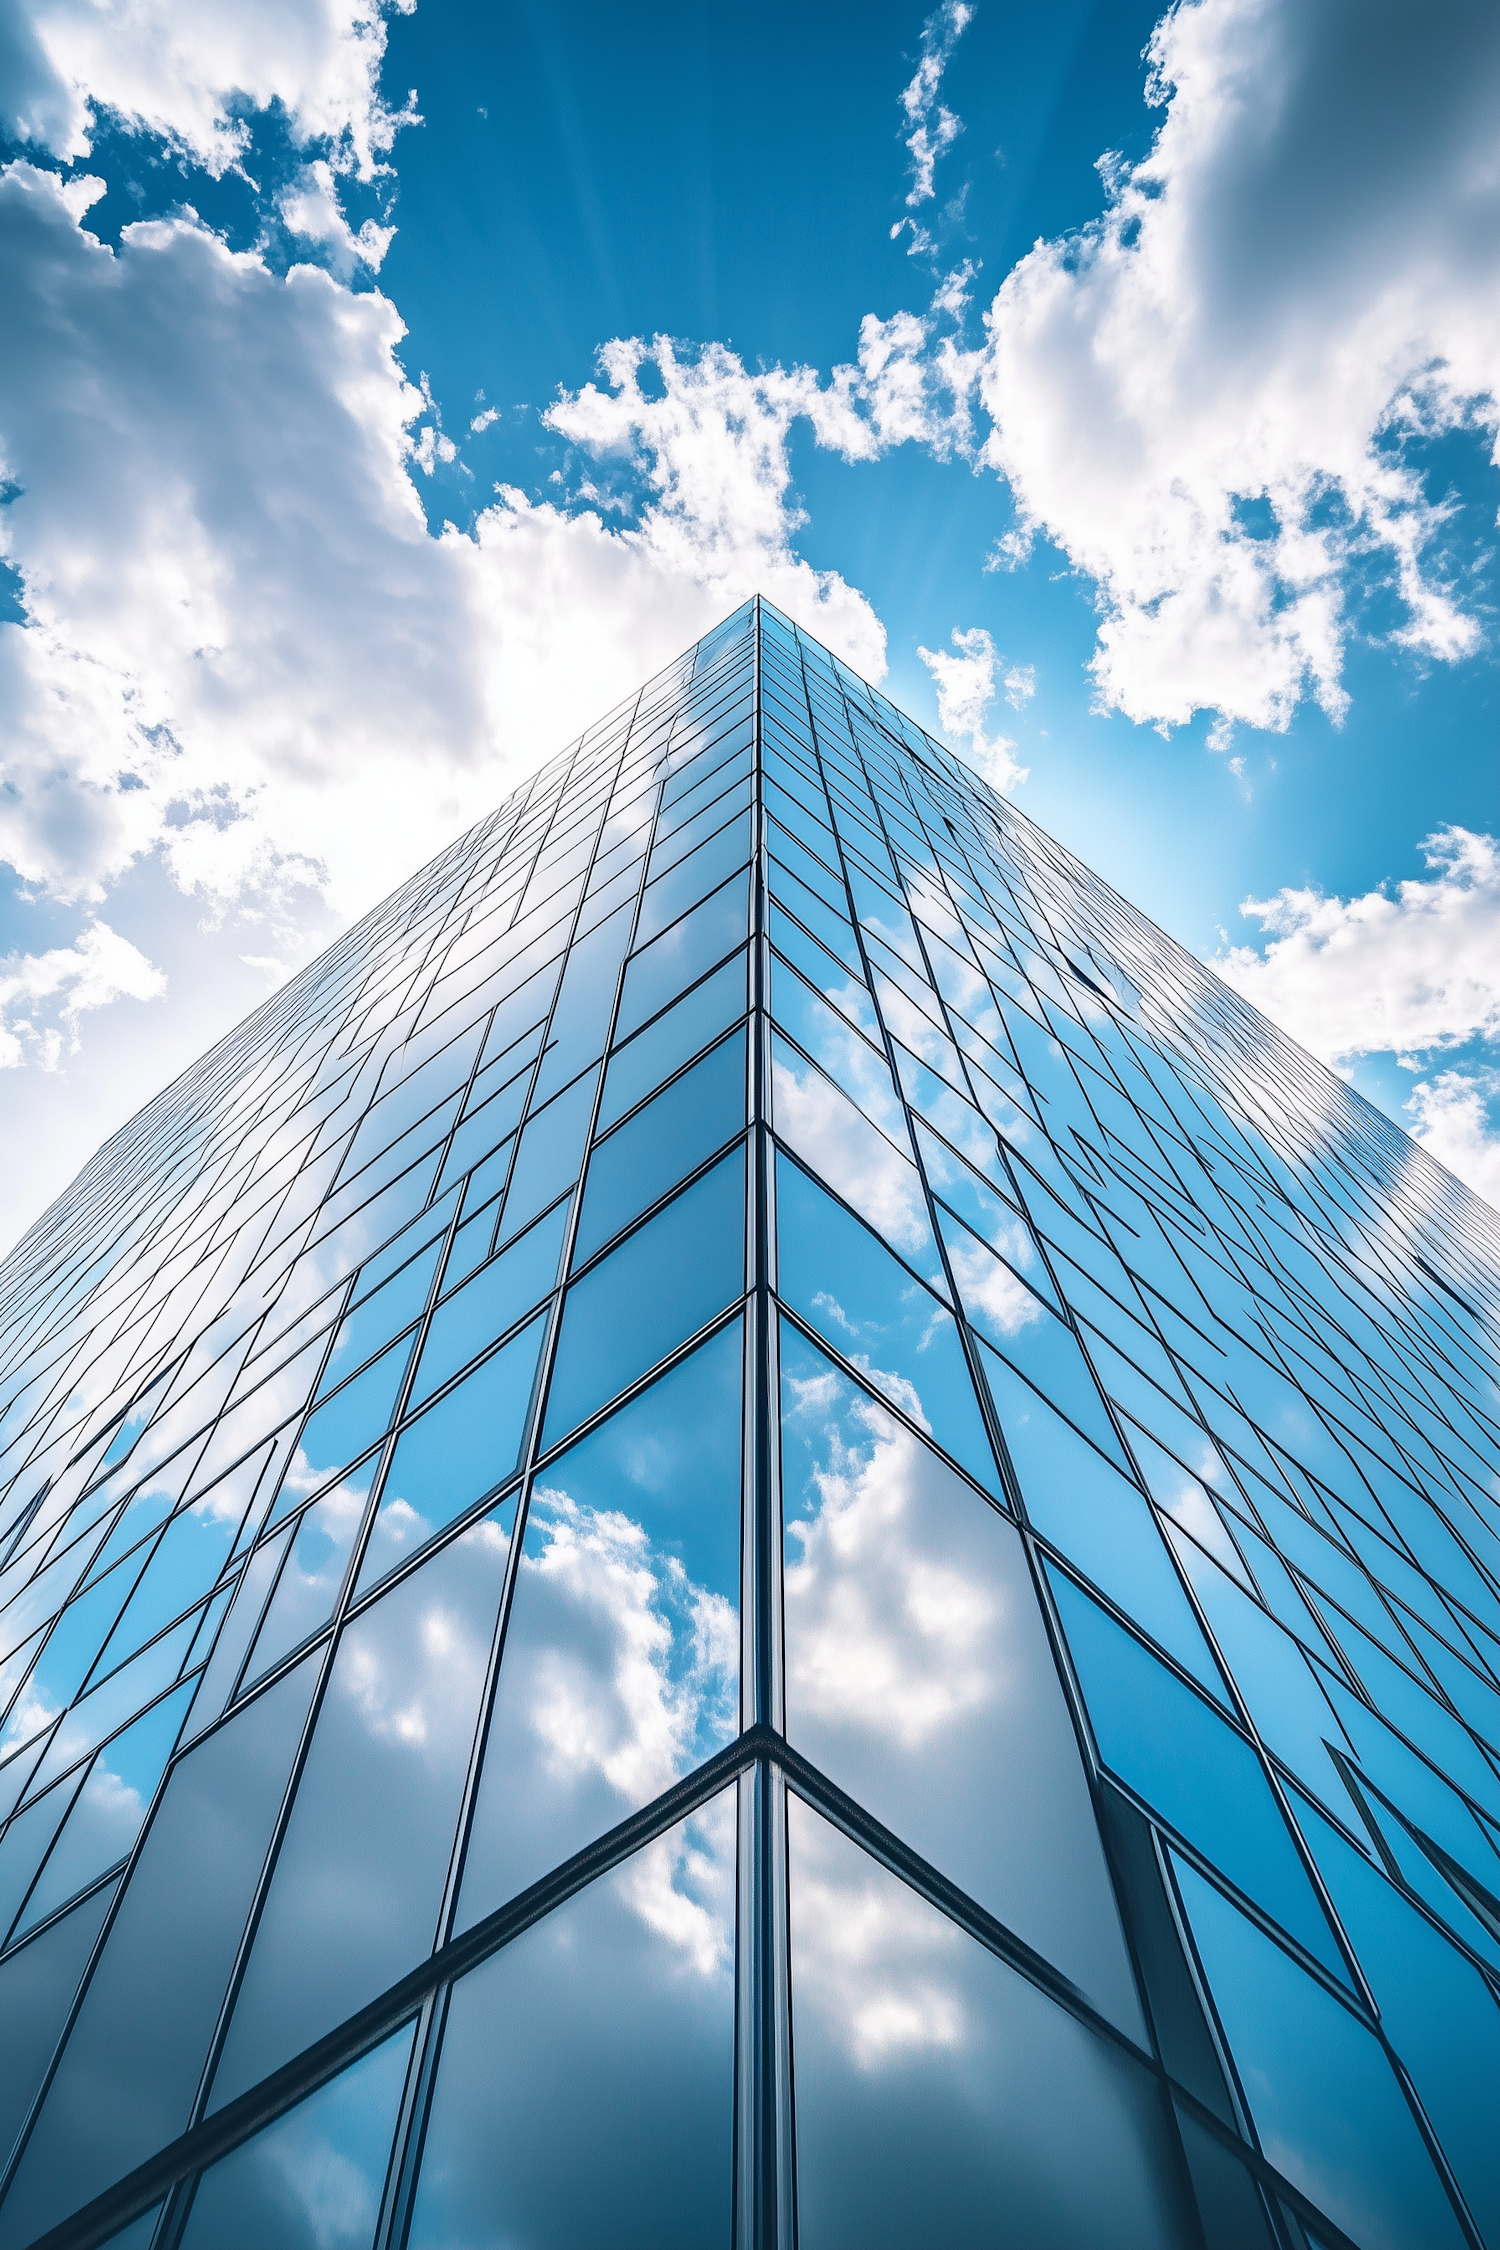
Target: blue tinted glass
<point>376,1810</point>
<point>69,1651</point>
<point>223,1669</point>
<point>621,1667</point>
<point>1165,1743</point>
<point>125,2084</point>
<point>353,1418</point>
<point>314,2179</point>
<point>580,1022</point>
<point>141,1513</point>
<point>1292,1715</point>
<point>184,1566</point>
<point>489,1304</point>
<point>941,2098</point>
<point>665,1282</point>
<point>1324,2100</point>
<point>681,954</point>
<point>37,1984</point>
<point>847,1285</point>
<point>1099,1521</point>
<point>837,1139</point>
<point>688,1025</point>
<point>26,1843</point>
<point>919,1676</point>
<point>673,1134</point>
<point>671,895</point>
<point>549,1153</point>
<point>1047,1353</point>
<point>108,1811</point>
<point>586,2089</point>
<point>1439,2013</point>
<point>309,1584</point>
<point>453,1454</point>
<point>380,1316</point>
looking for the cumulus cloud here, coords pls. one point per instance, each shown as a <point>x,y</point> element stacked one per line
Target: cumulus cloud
<point>43,996</point>
<point>242,641</point>
<point>1411,968</point>
<point>965,685</point>
<point>1451,1118</point>
<point>1215,398</point>
<point>187,74</point>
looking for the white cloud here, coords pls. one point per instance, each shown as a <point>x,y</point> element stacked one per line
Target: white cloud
<point>185,73</point>
<point>311,209</point>
<point>1416,968</point>
<point>965,690</point>
<point>934,127</point>
<point>1020,685</point>
<point>242,640</point>
<point>1451,1119</point>
<point>1297,286</point>
<point>43,995</point>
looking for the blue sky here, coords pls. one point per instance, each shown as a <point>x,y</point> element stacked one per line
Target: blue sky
<point>1155,357</point>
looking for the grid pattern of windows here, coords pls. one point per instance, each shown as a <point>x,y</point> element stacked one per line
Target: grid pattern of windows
<point>755,1528</point>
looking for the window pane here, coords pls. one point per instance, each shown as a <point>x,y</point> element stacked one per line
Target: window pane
<point>549,1153</point>
<point>310,1583</point>
<point>490,1303</point>
<point>359,1878</point>
<point>1439,2013</point>
<point>664,1283</point>
<point>943,2099</point>
<point>1098,1520</point>
<point>695,1115</point>
<point>585,2092</point>
<point>653,1055</point>
<point>451,1456</point>
<point>1326,2106</point>
<point>682,954</point>
<point>37,1985</point>
<point>847,1285</point>
<point>127,2077</point>
<point>819,1121</point>
<point>1165,1743</point>
<point>108,1811</point>
<point>314,2179</point>
<point>353,1418</point>
<point>621,1667</point>
<point>920,1679</point>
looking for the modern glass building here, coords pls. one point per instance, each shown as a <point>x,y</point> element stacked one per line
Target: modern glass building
<point>755,1529</point>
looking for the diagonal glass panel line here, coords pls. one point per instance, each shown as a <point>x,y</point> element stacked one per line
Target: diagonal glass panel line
<point>755,1459</point>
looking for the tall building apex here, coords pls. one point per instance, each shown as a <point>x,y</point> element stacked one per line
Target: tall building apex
<point>753,1529</point>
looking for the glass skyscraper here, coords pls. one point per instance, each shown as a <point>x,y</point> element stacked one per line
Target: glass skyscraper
<point>754,1529</point>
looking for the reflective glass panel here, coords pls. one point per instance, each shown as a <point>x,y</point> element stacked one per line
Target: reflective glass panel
<point>454,1454</point>
<point>313,2180</point>
<point>1325,2102</point>
<point>621,1664</point>
<point>664,1282</point>
<point>919,1677</point>
<point>358,1885</point>
<point>846,1284</point>
<point>126,2081</point>
<point>937,2090</point>
<point>675,1132</point>
<point>586,2088</point>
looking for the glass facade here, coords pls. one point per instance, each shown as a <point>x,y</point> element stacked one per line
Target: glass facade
<point>753,1529</point>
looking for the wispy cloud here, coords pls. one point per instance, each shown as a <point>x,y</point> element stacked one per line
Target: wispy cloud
<point>934,127</point>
